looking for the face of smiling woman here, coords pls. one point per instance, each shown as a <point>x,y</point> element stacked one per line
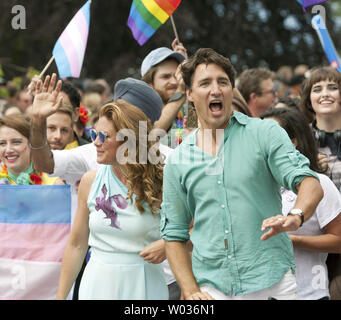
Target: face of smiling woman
<point>325,98</point>
<point>14,150</point>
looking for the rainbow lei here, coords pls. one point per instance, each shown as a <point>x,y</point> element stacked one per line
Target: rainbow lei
<point>24,178</point>
<point>179,127</point>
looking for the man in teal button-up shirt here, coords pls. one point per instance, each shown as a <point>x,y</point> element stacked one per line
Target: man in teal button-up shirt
<point>226,176</point>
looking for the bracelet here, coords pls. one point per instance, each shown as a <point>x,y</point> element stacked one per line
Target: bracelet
<point>38,148</point>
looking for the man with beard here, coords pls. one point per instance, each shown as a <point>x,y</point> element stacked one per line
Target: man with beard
<point>160,70</point>
<point>60,134</point>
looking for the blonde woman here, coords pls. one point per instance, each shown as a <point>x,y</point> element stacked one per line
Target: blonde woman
<point>117,215</point>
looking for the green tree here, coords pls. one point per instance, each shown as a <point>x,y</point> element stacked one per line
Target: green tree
<point>250,32</point>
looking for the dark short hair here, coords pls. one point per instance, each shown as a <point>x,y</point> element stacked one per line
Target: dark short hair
<point>71,91</point>
<point>317,74</point>
<point>249,81</point>
<point>290,102</point>
<point>206,56</point>
<point>296,126</point>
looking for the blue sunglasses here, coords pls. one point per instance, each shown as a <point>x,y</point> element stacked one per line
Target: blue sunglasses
<point>102,135</point>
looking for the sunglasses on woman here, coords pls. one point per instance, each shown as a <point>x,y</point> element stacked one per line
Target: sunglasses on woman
<point>102,135</point>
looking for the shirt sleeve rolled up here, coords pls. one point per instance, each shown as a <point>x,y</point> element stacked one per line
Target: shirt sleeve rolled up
<point>175,216</point>
<point>288,166</point>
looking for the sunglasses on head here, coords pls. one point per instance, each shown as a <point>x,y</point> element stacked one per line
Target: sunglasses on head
<point>102,135</point>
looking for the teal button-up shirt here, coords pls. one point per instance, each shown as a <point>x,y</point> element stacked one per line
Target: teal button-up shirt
<point>229,196</point>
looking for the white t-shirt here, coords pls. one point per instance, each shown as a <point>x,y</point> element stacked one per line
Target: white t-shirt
<point>311,269</point>
<point>70,165</point>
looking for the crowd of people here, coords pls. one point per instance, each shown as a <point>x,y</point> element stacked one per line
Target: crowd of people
<point>192,182</point>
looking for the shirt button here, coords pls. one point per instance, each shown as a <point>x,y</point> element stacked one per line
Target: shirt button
<point>223,206</point>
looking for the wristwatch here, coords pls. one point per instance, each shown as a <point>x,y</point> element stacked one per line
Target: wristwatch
<point>297,212</point>
<point>176,96</point>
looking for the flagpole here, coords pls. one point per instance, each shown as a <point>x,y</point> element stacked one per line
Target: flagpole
<point>46,67</point>
<point>32,84</point>
<point>174,28</point>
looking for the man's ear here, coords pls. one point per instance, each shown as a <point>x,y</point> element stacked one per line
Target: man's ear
<point>189,97</point>
<point>252,97</point>
<point>76,114</point>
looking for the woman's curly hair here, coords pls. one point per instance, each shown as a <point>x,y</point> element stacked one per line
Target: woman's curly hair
<point>141,162</point>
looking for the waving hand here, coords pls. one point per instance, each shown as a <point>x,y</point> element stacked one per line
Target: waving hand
<point>46,100</point>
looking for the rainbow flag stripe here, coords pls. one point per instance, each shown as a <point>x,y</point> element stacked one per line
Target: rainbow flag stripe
<point>309,3</point>
<point>146,16</point>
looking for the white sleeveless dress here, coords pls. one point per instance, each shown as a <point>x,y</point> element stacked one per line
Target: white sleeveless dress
<point>118,231</point>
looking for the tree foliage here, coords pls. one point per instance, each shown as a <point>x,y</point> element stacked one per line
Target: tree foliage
<point>250,32</point>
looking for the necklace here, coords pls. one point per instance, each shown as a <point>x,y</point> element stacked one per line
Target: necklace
<point>24,178</point>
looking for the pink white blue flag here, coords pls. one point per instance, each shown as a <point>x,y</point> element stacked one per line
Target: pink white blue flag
<point>70,48</point>
<point>34,227</point>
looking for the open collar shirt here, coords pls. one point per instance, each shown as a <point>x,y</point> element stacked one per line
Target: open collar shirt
<point>228,196</point>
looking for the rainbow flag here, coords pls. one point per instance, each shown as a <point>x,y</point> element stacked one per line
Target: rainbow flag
<point>70,48</point>
<point>146,16</point>
<point>309,3</point>
<point>34,226</point>
<point>326,42</point>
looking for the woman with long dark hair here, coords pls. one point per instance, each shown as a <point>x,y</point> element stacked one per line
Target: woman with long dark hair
<point>321,105</point>
<point>321,234</point>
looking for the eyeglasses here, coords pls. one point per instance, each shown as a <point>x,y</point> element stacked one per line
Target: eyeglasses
<point>102,135</point>
<point>273,91</point>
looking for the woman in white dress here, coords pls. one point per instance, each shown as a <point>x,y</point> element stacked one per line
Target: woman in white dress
<point>118,208</point>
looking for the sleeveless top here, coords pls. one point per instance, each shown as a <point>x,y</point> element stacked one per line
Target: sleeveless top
<point>115,223</point>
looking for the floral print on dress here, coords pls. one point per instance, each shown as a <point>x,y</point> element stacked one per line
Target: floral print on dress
<point>106,206</point>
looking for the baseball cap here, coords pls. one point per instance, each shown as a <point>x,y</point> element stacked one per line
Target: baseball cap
<point>158,55</point>
<point>141,95</point>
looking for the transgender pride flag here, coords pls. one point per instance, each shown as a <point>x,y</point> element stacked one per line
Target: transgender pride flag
<point>70,48</point>
<point>34,227</point>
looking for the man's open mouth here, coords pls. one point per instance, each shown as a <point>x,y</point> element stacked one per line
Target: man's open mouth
<point>216,106</point>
